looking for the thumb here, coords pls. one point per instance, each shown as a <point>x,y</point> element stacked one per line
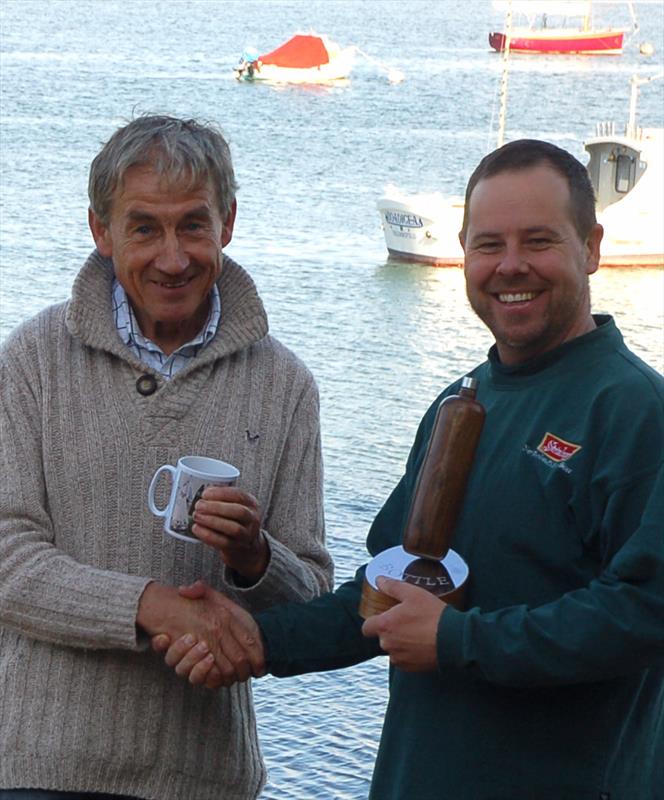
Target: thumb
<point>398,590</point>
<point>160,643</point>
<point>194,591</point>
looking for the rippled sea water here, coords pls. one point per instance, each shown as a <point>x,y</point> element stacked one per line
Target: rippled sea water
<point>382,337</point>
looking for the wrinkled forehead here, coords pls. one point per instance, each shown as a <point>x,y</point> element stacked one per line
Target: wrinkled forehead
<point>165,177</point>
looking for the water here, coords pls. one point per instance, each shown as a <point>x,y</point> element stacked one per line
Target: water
<point>381,337</point>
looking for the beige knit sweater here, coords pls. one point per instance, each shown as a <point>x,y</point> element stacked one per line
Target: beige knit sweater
<point>84,705</point>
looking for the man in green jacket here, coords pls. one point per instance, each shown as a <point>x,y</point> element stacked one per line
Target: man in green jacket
<point>550,683</point>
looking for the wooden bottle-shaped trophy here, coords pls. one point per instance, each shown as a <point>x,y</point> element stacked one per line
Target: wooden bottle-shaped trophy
<point>426,559</point>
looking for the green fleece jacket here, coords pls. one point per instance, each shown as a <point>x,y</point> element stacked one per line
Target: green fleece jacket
<point>550,685</point>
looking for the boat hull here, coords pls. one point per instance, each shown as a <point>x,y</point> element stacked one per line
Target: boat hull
<point>422,228</point>
<point>561,42</point>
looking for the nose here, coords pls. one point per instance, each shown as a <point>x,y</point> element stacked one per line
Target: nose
<point>172,258</point>
<point>513,261</point>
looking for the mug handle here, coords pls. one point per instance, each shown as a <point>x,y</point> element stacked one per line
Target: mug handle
<point>159,512</point>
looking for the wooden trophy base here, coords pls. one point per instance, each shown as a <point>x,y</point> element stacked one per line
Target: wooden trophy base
<point>445,578</point>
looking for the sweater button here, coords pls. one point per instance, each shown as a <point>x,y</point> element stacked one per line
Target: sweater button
<point>146,385</point>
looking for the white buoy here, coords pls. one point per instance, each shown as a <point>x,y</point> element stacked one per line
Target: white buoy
<point>646,49</point>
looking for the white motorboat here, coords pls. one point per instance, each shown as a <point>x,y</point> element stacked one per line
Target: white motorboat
<point>422,227</point>
<point>627,173</point>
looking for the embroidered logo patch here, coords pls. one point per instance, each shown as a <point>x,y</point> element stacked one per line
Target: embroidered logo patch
<point>557,449</point>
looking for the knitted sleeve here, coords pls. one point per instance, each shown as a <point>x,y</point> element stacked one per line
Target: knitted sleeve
<point>300,566</point>
<point>45,593</point>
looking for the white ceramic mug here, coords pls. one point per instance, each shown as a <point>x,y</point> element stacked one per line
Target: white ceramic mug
<point>191,476</point>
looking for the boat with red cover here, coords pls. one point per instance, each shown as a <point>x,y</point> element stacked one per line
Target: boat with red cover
<point>304,58</point>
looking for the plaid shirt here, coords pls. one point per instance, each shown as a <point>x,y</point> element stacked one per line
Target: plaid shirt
<point>150,353</point>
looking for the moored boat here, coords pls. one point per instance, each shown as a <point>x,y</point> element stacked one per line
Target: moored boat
<point>627,172</point>
<point>304,58</point>
<point>545,35</point>
<point>422,227</point>
<point>562,42</point>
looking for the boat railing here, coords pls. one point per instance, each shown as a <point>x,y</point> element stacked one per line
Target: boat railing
<point>605,129</point>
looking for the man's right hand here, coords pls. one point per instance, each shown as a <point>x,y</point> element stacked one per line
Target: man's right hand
<point>208,639</point>
<point>230,652</point>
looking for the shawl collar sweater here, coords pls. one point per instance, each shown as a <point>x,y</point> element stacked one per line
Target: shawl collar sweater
<point>84,705</point>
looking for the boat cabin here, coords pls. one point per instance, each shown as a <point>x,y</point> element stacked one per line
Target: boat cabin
<point>615,166</point>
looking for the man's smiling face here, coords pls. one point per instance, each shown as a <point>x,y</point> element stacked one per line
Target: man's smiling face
<point>526,266</point>
<point>166,244</point>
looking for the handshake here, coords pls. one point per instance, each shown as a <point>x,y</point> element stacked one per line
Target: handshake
<point>208,639</point>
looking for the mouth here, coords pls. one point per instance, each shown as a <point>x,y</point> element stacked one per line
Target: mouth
<point>516,297</point>
<point>170,285</point>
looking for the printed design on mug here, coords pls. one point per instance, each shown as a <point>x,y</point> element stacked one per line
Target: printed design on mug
<point>557,449</point>
<point>189,493</point>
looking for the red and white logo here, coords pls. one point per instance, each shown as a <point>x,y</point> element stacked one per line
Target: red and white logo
<point>557,449</point>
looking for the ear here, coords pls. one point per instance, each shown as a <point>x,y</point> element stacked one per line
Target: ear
<point>592,247</point>
<point>101,234</point>
<point>227,229</point>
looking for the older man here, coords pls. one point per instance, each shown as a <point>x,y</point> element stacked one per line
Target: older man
<point>162,351</point>
<point>550,685</point>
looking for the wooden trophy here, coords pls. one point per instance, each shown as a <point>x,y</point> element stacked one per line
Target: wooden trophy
<point>426,559</point>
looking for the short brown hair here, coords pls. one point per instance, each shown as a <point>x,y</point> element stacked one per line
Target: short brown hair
<point>525,153</point>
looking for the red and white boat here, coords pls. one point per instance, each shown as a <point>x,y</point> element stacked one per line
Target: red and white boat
<point>304,58</point>
<point>545,34</point>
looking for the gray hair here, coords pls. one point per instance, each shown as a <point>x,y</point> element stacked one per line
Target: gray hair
<point>181,150</point>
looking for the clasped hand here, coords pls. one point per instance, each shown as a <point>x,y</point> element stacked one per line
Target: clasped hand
<point>207,637</point>
<point>407,633</point>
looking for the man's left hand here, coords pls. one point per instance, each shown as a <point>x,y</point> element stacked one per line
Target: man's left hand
<point>407,632</point>
<point>229,520</point>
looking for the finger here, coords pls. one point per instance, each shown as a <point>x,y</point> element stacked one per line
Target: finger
<point>229,495</point>
<point>370,627</point>
<point>228,671</point>
<point>251,643</point>
<point>231,520</point>
<point>191,658</point>
<point>214,679</point>
<point>213,538</point>
<point>199,672</point>
<point>399,590</point>
<point>160,643</point>
<point>179,649</point>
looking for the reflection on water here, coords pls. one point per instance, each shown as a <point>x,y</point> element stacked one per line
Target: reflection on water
<point>636,299</point>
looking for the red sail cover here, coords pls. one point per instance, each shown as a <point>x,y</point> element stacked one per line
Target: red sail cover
<point>299,52</point>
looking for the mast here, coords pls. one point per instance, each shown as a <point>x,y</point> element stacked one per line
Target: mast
<point>635,82</point>
<point>503,81</point>
<point>587,17</point>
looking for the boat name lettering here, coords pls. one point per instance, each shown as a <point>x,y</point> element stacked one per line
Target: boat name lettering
<point>403,220</point>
